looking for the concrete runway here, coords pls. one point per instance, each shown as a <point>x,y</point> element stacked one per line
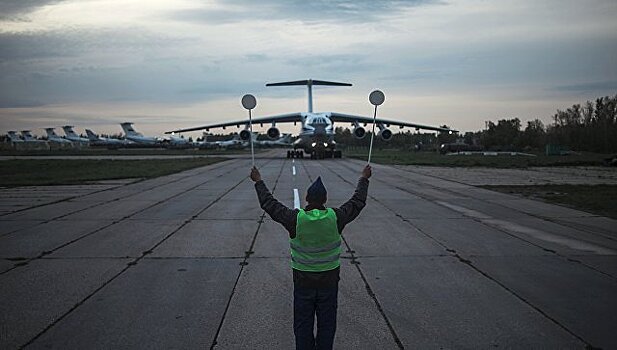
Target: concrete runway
<point>191,261</point>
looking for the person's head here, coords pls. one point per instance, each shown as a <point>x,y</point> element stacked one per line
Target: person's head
<point>316,194</point>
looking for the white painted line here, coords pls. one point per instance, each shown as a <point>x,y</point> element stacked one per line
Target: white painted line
<point>293,160</point>
<point>293,170</point>
<point>296,199</point>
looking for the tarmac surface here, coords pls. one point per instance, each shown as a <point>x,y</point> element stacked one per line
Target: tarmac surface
<point>190,261</point>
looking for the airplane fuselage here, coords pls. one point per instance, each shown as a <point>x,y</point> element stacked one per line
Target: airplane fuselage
<point>77,139</point>
<point>316,133</point>
<point>145,140</point>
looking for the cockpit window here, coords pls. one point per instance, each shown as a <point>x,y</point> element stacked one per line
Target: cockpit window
<point>319,120</point>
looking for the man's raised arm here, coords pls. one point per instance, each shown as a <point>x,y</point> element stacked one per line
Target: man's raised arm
<point>352,208</point>
<point>277,210</point>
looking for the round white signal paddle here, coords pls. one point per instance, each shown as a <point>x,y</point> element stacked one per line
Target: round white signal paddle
<point>376,98</point>
<point>249,102</point>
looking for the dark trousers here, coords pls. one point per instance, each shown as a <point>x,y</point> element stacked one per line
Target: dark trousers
<point>309,302</point>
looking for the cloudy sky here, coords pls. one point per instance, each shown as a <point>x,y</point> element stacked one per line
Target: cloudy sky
<point>165,64</point>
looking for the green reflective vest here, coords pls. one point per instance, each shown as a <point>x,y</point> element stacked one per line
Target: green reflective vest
<point>317,245</point>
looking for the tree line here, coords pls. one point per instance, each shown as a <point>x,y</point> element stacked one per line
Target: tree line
<point>589,127</point>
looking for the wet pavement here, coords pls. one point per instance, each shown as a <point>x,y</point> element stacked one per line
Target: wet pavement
<point>190,261</point>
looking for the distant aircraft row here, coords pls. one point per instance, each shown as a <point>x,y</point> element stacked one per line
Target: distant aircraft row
<point>132,138</point>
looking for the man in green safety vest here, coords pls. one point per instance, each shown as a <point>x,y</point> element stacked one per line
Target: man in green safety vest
<point>315,244</point>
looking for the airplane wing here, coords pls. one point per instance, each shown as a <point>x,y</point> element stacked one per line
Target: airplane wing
<point>281,118</point>
<point>349,118</point>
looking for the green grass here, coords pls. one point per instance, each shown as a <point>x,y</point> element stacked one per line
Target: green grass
<point>596,199</point>
<point>404,157</point>
<point>128,152</point>
<point>31,172</point>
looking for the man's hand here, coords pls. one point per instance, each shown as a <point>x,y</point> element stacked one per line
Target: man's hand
<point>367,171</point>
<point>255,175</point>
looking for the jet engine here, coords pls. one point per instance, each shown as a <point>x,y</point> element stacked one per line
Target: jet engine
<point>245,135</point>
<point>273,133</point>
<point>384,133</point>
<point>358,131</point>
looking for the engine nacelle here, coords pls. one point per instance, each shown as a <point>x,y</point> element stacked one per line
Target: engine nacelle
<point>385,134</point>
<point>245,135</point>
<point>273,133</point>
<point>359,132</point>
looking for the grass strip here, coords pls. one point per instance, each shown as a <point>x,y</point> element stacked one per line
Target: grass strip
<point>595,199</point>
<point>35,172</point>
<point>128,152</point>
<point>403,157</point>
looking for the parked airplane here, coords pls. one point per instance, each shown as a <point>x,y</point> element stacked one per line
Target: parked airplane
<point>205,144</point>
<point>72,135</point>
<point>13,137</point>
<point>132,135</point>
<point>27,136</point>
<point>53,137</point>
<point>96,140</point>
<point>284,140</point>
<point>235,142</point>
<point>26,141</point>
<point>178,142</point>
<point>316,135</point>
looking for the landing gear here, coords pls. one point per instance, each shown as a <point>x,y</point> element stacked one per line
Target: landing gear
<point>295,154</point>
<point>325,154</point>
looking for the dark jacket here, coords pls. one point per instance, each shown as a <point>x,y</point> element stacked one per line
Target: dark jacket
<point>287,217</point>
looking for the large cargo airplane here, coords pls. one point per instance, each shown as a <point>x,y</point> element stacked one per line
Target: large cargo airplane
<point>316,136</point>
<point>53,137</point>
<point>284,140</point>
<point>27,136</point>
<point>26,140</point>
<point>235,142</point>
<point>132,135</point>
<point>72,135</point>
<point>178,142</point>
<point>96,140</point>
<point>13,137</point>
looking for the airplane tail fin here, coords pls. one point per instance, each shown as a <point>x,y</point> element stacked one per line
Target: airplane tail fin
<point>50,132</point>
<point>129,130</point>
<point>91,135</point>
<point>309,83</point>
<point>27,135</point>
<point>68,130</point>
<point>13,136</point>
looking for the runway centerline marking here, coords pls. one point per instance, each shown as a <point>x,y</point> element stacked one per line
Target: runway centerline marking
<point>293,170</point>
<point>296,199</point>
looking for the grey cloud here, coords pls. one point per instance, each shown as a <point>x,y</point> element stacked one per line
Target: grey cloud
<point>15,9</point>
<point>20,103</point>
<point>300,10</point>
<point>65,66</point>
<point>339,63</point>
<point>66,43</point>
<point>597,86</point>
